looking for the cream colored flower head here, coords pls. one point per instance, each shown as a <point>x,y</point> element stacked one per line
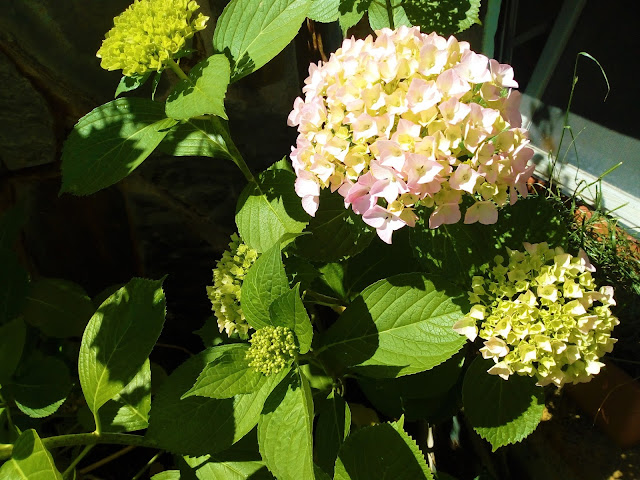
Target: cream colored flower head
<point>272,349</point>
<point>410,118</point>
<point>541,314</point>
<point>148,33</point>
<point>227,284</point>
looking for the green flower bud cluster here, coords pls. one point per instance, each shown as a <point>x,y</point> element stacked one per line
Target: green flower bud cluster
<point>540,315</point>
<point>272,349</point>
<point>227,283</point>
<point>149,33</point>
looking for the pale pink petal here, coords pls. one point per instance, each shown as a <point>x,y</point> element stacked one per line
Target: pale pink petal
<point>446,214</point>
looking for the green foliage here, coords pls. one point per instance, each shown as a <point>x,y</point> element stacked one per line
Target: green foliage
<point>382,448</point>
<point>110,142</point>
<point>398,326</point>
<point>128,411</point>
<point>12,336</point>
<point>41,386</point>
<point>252,33</point>
<point>351,11</point>
<point>335,232</point>
<point>445,17</point>
<point>268,209</point>
<point>203,92</point>
<point>333,426</point>
<point>266,280</point>
<point>288,311</point>
<point>379,17</point>
<point>30,460</point>
<point>226,376</point>
<point>167,475</point>
<point>130,83</point>
<point>200,137</point>
<point>58,308</point>
<point>325,11</point>
<point>501,411</point>
<point>14,285</point>
<point>198,425</point>
<point>208,468</point>
<point>288,414</point>
<point>119,339</point>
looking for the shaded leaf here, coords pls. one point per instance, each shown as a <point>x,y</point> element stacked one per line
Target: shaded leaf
<point>199,138</point>
<point>204,91</point>
<point>119,339</point>
<point>42,386</point>
<point>501,411</point>
<point>12,336</point>
<point>446,17</point>
<point>58,308</point>
<point>199,425</point>
<point>30,460</point>
<point>268,209</point>
<point>14,285</point>
<point>110,142</point>
<point>351,11</point>
<point>130,83</point>
<point>379,15</point>
<point>333,426</point>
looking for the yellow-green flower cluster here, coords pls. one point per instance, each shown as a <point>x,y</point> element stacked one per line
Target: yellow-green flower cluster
<point>227,282</point>
<point>148,33</point>
<point>541,315</point>
<point>272,349</point>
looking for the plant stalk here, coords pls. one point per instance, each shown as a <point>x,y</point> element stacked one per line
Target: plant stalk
<point>84,439</point>
<point>77,460</point>
<point>176,69</point>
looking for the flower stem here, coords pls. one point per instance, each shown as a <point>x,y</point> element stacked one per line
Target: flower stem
<point>176,69</point>
<point>85,439</point>
<point>144,469</point>
<point>77,460</point>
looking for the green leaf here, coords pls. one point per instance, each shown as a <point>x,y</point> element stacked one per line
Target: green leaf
<point>209,333</point>
<point>110,142</point>
<point>14,285</point>
<point>12,336</point>
<point>445,17</point>
<point>285,429</point>
<point>381,451</point>
<point>336,232</point>
<point>198,425</point>
<point>167,475</point>
<point>379,15</point>
<point>128,411</point>
<point>425,395</point>
<point>212,468</point>
<point>119,339</point>
<point>501,411</point>
<point>398,326</point>
<point>11,223</point>
<point>333,426</point>
<point>128,84</point>
<point>199,138</point>
<point>42,386</point>
<point>325,11</point>
<point>288,311</point>
<point>268,209</point>
<point>265,281</point>
<point>252,33</point>
<point>30,460</point>
<point>204,91</point>
<point>351,11</point>
<point>227,376</point>
<point>58,308</point>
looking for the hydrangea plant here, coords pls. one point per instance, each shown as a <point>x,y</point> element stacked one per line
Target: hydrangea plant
<point>316,315</point>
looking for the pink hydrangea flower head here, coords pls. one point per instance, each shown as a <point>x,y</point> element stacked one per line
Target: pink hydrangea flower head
<point>405,119</point>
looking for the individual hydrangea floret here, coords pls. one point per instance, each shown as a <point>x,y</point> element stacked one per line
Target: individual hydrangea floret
<point>541,314</point>
<point>409,119</point>
<point>271,350</point>
<point>149,33</point>
<point>227,283</point>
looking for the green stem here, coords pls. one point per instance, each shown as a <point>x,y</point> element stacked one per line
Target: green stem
<point>231,148</point>
<point>10,424</point>
<point>77,460</point>
<point>96,418</point>
<point>176,69</point>
<point>390,15</point>
<point>85,439</point>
